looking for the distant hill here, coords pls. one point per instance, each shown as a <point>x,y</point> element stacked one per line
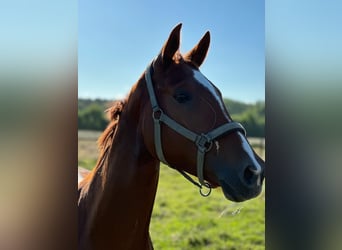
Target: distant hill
<point>91,114</point>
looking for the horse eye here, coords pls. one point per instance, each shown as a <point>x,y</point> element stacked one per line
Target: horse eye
<point>182,97</point>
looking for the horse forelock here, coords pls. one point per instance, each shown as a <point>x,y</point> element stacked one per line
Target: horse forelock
<point>177,57</point>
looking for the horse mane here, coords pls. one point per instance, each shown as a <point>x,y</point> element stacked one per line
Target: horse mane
<point>114,113</point>
<point>105,140</point>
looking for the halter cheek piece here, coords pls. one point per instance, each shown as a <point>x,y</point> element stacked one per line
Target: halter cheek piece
<point>203,142</point>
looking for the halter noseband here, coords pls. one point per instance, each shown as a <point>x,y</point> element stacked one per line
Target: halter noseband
<point>202,141</point>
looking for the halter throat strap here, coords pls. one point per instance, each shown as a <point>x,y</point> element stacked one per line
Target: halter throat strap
<point>202,141</point>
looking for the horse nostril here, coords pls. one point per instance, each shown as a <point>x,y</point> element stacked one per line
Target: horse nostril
<point>250,176</point>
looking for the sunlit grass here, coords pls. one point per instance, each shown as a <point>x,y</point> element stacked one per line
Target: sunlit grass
<point>182,219</point>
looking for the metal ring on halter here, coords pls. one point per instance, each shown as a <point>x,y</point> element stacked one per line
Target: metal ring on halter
<point>155,112</point>
<point>207,185</point>
<point>204,143</point>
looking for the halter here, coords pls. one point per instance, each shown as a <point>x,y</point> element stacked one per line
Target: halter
<point>203,142</point>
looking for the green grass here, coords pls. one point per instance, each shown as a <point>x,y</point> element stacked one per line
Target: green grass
<point>183,219</point>
<point>87,163</point>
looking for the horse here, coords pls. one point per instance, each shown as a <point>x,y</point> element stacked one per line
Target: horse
<point>175,115</point>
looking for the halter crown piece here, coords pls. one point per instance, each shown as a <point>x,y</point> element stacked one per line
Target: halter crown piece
<point>202,141</point>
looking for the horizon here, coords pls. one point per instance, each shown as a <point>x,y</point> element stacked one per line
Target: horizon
<point>113,100</point>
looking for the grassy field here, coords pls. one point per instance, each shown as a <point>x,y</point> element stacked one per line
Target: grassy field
<point>182,219</point>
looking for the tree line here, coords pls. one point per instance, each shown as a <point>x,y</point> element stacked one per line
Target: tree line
<point>91,115</point>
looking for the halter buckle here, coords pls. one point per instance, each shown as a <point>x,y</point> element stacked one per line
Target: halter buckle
<point>204,143</point>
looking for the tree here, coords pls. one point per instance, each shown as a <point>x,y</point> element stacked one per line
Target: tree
<point>92,118</point>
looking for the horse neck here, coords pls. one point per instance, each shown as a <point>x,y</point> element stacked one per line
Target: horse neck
<point>128,185</point>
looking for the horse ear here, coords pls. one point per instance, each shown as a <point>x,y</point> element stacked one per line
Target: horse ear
<point>171,45</point>
<point>199,52</point>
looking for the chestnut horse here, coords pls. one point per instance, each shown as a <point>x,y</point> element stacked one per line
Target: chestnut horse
<point>175,115</point>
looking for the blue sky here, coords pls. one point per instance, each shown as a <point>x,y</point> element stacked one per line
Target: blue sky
<point>117,40</point>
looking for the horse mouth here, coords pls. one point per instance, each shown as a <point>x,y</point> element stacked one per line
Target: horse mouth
<point>231,194</point>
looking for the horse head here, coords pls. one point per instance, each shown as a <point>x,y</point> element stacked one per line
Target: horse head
<point>189,127</point>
